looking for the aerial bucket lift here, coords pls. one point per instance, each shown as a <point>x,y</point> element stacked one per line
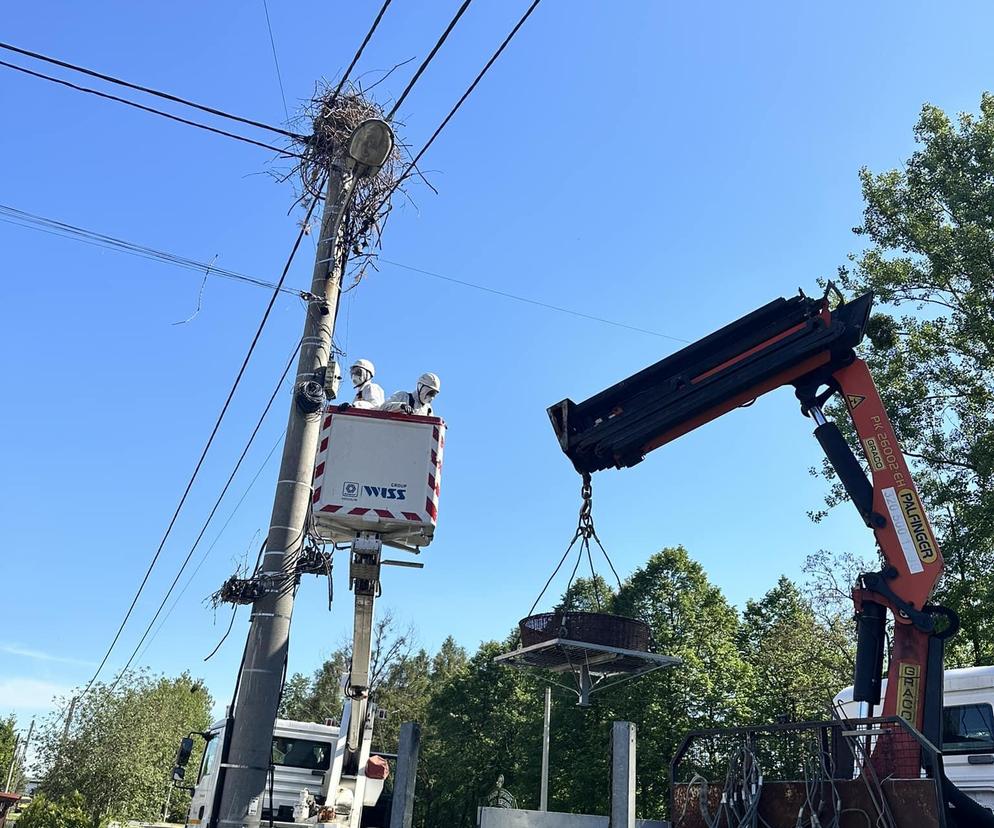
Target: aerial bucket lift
<point>376,483</point>
<point>804,343</point>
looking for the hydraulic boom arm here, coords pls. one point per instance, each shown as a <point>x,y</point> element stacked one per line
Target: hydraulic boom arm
<point>803,343</point>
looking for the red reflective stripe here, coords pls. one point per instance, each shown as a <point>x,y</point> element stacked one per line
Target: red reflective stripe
<point>330,508</point>
<point>358,511</point>
<point>384,513</point>
<point>430,508</point>
<point>327,422</point>
<point>431,483</point>
<point>324,444</point>
<point>412,516</point>
<point>319,470</point>
<point>317,494</point>
<point>435,433</point>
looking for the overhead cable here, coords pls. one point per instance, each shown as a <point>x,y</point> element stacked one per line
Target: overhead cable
<point>154,111</point>
<point>210,440</point>
<point>413,166</point>
<point>165,95</point>
<point>276,60</point>
<point>217,537</point>
<point>493,59</point>
<point>525,299</point>
<point>31,221</point>
<point>358,53</point>
<point>210,517</point>
<point>427,60</point>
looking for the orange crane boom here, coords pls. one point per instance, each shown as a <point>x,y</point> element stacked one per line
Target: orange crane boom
<point>803,343</point>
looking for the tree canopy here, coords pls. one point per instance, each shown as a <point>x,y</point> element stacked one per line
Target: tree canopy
<point>116,751</point>
<point>929,260</point>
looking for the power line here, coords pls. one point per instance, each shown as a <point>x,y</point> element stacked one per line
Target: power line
<point>210,548</point>
<point>493,59</point>
<point>358,53</point>
<point>210,517</point>
<point>535,302</point>
<point>154,111</point>
<point>165,95</point>
<point>468,92</point>
<point>31,221</point>
<point>276,60</point>
<point>210,440</point>
<point>427,60</point>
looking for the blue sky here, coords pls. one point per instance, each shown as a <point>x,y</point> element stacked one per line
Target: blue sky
<point>669,166</point>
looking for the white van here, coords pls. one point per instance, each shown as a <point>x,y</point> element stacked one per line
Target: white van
<point>967,729</point>
<point>302,755</point>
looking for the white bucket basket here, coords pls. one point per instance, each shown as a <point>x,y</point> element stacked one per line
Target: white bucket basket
<point>378,472</point>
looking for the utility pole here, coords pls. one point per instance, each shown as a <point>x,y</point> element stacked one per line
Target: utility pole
<point>13,760</point>
<point>543,800</point>
<point>244,766</point>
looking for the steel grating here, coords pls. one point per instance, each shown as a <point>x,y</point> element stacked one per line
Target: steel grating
<point>561,655</point>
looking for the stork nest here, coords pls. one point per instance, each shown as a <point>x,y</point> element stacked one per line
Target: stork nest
<point>328,122</point>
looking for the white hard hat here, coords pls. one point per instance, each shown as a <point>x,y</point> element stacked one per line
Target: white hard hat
<point>365,364</point>
<point>431,381</point>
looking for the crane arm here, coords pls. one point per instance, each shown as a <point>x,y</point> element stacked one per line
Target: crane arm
<point>803,343</point>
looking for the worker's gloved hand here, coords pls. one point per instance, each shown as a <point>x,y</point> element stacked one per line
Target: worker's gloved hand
<point>407,409</point>
<point>344,406</point>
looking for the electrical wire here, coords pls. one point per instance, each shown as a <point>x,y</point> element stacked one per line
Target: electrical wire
<point>31,221</point>
<point>358,54</point>
<point>149,91</point>
<point>210,440</point>
<point>413,166</point>
<point>276,60</point>
<point>468,92</point>
<point>227,632</point>
<point>210,517</point>
<point>126,102</point>
<point>527,300</point>
<point>428,59</point>
<point>214,543</point>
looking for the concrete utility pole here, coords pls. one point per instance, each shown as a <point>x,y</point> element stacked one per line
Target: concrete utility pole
<point>13,760</point>
<point>244,767</point>
<point>543,799</point>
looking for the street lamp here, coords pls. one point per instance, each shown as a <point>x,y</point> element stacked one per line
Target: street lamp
<point>370,146</point>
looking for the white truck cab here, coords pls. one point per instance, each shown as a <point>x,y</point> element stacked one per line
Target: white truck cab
<point>302,755</point>
<point>967,729</point>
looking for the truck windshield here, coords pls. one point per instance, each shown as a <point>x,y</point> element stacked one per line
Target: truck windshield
<point>968,728</point>
<point>209,752</point>
<point>289,751</point>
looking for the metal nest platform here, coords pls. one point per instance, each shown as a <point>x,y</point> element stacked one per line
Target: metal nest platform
<point>592,663</point>
<point>593,627</point>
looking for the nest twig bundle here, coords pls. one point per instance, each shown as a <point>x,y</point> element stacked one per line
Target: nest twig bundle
<point>329,121</point>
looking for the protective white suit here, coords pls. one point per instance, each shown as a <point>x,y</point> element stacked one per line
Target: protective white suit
<point>417,401</point>
<point>367,393</point>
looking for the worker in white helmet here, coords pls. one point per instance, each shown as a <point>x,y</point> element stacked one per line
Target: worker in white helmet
<point>419,400</point>
<point>367,393</point>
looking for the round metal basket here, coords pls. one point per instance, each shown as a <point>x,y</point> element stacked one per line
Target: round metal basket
<point>590,627</point>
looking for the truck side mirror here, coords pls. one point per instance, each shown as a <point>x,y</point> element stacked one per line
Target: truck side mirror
<point>183,754</point>
<point>179,773</point>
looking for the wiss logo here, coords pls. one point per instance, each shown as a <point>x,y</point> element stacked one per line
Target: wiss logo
<point>385,492</point>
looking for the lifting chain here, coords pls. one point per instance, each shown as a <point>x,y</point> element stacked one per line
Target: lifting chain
<point>584,533</point>
<point>585,528</point>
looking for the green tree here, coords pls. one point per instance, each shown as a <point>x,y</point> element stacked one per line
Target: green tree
<point>689,617</point>
<point>68,812</point>
<point>8,743</point>
<point>930,262</point>
<point>118,750</point>
<point>798,663</point>
<point>483,720</point>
